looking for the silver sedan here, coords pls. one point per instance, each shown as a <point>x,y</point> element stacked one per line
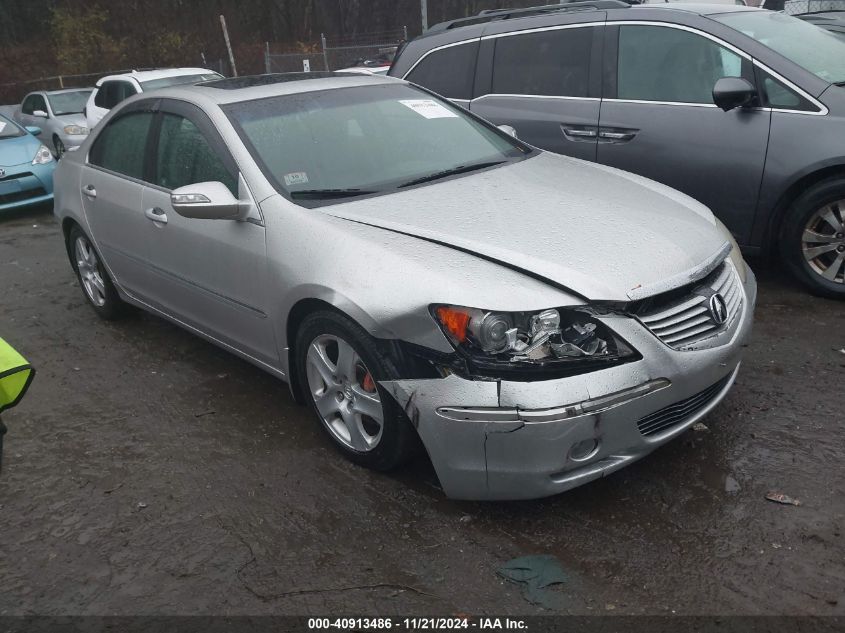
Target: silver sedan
<point>59,116</point>
<point>418,276</point>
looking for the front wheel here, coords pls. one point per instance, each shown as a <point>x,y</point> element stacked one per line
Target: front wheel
<point>339,367</point>
<point>59,147</point>
<point>813,239</point>
<point>92,275</point>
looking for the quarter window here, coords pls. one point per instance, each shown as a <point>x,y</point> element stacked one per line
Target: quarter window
<point>185,157</point>
<point>449,72</point>
<point>122,145</point>
<point>665,64</point>
<point>777,95</point>
<point>551,63</point>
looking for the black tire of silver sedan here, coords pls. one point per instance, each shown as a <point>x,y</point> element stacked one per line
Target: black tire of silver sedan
<point>93,278</point>
<point>59,147</point>
<point>339,367</point>
<point>813,238</point>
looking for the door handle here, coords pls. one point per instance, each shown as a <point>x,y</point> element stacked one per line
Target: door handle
<point>157,215</point>
<point>616,135</point>
<point>89,191</point>
<point>579,132</point>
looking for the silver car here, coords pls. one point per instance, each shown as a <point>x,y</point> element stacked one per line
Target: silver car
<point>415,274</point>
<point>59,115</point>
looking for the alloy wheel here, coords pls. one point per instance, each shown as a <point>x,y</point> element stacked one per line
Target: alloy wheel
<point>344,393</point>
<point>89,271</point>
<point>823,242</point>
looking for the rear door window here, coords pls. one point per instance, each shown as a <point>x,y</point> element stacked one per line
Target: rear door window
<point>449,72</point>
<point>548,63</point>
<point>122,145</point>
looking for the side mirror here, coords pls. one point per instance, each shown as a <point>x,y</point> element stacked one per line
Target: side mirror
<point>733,92</point>
<point>508,129</point>
<point>39,113</point>
<point>208,201</point>
<point>33,129</point>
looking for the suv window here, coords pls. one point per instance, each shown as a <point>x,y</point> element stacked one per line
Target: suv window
<point>448,72</point>
<point>185,157</point>
<point>665,64</point>
<point>113,92</point>
<point>122,145</point>
<point>553,63</point>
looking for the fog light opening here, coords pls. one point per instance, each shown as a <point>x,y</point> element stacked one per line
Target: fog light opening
<point>584,450</point>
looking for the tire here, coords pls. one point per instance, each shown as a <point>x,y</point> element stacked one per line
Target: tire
<point>96,285</point>
<point>346,391</point>
<point>812,241</point>
<point>59,147</point>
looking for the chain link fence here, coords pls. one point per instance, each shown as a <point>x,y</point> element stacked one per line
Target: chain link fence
<point>375,48</point>
<point>14,92</point>
<point>794,7</point>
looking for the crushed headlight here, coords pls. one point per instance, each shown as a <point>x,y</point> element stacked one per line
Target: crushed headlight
<point>76,130</point>
<point>42,156</point>
<point>548,337</point>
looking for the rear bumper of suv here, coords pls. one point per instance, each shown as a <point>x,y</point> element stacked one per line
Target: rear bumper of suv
<point>522,440</point>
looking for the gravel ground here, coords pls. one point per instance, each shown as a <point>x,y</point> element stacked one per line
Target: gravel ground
<point>148,472</point>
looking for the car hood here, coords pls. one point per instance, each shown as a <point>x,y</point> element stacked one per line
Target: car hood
<point>18,150</point>
<point>600,232</point>
<point>76,118</point>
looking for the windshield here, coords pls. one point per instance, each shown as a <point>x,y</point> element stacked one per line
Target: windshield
<point>813,48</point>
<point>334,143</point>
<point>164,82</point>
<point>68,102</point>
<point>9,129</point>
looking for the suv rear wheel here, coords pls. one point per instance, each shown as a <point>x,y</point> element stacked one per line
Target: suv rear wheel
<point>813,238</point>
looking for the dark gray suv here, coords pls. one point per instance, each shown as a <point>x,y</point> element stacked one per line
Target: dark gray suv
<point>741,108</point>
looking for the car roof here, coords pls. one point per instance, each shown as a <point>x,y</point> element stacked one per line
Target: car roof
<point>66,90</point>
<point>698,8</point>
<point>234,90</point>
<point>478,22</point>
<point>158,73</point>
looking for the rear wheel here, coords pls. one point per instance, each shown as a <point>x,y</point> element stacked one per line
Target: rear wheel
<point>813,238</point>
<point>339,367</point>
<point>95,282</point>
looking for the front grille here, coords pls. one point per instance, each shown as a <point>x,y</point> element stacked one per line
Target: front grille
<point>18,196</point>
<point>680,411</point>
<point>680,322</point>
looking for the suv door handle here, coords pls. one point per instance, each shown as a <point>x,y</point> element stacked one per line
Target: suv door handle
<point>89,191</point>
<point>616,135</point>
<point>157,215</point>
<point>579,132</point>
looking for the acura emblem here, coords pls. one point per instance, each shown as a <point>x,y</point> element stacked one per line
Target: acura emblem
<point>718,309</point>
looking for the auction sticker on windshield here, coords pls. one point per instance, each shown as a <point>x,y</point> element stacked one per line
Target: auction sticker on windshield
<point>296,178</point>
<point>428,108</point>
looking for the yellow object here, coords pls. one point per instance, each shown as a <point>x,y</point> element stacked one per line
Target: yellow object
<point>15,376</point>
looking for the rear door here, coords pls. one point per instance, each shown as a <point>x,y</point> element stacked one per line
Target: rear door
<point>111,186</point>
<point>210,274</point>
<point>658,118</point>
<point>545,81</point>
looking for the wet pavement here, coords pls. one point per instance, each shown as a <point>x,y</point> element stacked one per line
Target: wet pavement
<point>149,472</point>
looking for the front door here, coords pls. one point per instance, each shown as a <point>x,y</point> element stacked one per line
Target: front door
<point>209,274</point>
<point>544,83</point>
<point>110,189</point>
<point>658,119</point>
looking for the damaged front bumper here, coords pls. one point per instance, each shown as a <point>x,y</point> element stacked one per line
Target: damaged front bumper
<point>521,440</point>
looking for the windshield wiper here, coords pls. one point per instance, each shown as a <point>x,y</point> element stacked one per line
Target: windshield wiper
<point>460,169</point>
<point>324,194</point>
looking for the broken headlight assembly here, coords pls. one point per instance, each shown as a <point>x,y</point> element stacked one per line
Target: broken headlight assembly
<point>561,341</point>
